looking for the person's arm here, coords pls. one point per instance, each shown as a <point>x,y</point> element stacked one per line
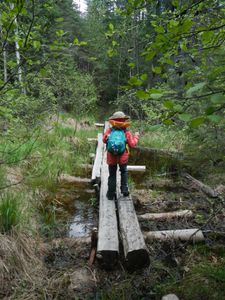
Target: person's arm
<point>132,140</point>
<point>106,134</point>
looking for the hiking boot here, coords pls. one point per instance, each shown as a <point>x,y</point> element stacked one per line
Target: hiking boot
<point>110,196</point>
<point>126,194</point>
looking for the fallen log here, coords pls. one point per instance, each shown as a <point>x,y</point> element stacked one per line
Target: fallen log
<point>92,140</point>
<point>201,186</point>
<point>96,171</point>
<point>194,235</point>
<point>155,151</point>
<point>166,215</point>
<point>135,250</point>
<point>65,179</point>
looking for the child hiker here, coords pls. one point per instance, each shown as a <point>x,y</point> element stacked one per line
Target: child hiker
<point>118,140</point>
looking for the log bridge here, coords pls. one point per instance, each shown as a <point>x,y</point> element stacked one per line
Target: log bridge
<point>118,222</point>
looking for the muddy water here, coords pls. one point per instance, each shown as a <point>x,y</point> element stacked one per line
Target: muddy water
<point>84,219</point>
<point>77,210</point>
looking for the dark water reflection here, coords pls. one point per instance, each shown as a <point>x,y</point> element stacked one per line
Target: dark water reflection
<point>83,220</point>
<point>77,210</point>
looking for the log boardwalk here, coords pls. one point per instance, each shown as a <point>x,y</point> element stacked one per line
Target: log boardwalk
<point>135,251</point>
<point>120,216</point>
<point>96,171</point>
<point>108,241</point>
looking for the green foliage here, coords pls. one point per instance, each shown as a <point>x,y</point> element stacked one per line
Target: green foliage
<point>10,211</point>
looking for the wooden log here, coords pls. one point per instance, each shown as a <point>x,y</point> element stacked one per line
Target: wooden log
<point>92,155</point>
<point>166,215</point>
<point>96,171</point>
<point>136,168</point>
<point>72,180</point>
<point>108,242</point>
<point>201,186</point>
<point>129,168</point>
<point>86,166</point>
<point>99,124</point>
<point>135,250</point>
<point>194,235</point>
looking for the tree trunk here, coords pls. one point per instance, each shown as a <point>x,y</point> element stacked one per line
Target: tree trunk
<point>18,58</point>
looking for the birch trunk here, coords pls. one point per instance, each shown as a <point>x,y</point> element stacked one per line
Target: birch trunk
<point>18,58</point>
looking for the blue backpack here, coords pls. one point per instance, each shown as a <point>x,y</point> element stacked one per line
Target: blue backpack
<point>116,143</point>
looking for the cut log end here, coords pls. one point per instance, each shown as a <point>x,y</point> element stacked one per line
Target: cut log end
<point>137,259</point>
<point>109,259</point>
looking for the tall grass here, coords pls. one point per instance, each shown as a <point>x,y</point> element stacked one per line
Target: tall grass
<point>10,212</point>
<point>163,137</point>
<point>59,151</point>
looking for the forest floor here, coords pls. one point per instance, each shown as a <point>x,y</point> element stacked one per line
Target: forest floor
<point>192,271</point>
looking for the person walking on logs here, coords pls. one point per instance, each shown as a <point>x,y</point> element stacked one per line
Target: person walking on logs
<point>118,139</point>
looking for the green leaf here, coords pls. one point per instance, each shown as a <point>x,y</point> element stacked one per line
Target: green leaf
<point>168,104</point>
<point>157,70</point>
<point>196,88</point>
<point>76,42</point>
<point>83,43</point>
<point>154,91</point>
<point>159,29</point>
<point>207,37</point>
<point>114,43</point>
<point>197,122</point>
<point>43,72</point>
<point>168,122</point>
<point>36,44</point>
<point>175,3</point>
<point>185,117</point>
<point>156,96</point>
<point>149,55</point>
<point>131,65</point>
<point>178,108</point>
<point>210,110</point>
<point>110,52</point>
<point>60,32</point>
<point>183,46</point>
<point>144,77</point>
<point>218,99</point>
<point>111,26</point>
<point>142,94</point>
<point>215,118</point>
<point>135,81</point>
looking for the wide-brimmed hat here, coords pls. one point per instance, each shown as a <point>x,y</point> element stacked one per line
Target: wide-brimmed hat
<point>119,115</point>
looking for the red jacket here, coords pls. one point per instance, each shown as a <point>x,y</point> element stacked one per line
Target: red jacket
<point>122,159</point>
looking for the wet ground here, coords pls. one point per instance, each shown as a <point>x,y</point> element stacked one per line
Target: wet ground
<point>160,189</point>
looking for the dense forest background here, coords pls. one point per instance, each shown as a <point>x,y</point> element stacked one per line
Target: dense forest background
<point>161,62</point>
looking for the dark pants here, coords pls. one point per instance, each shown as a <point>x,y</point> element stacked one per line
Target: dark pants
<point>112,179</point>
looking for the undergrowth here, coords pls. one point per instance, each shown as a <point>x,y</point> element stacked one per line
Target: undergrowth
<point>10,211</point>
